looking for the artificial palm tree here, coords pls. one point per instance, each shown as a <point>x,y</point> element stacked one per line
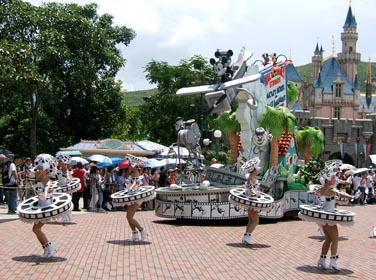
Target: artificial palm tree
<point>310,141</point>
<point>292,92</point>
<point>230,126</point>
<point>277,121</point>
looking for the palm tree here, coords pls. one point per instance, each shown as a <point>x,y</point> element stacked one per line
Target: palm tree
<point>277,121</point>
<point>230,126</point>
<point>310,140</point>
<point>292,92</point>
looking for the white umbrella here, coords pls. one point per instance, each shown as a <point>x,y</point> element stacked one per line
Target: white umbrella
<point>74,160</point>
<point>346,166</point>
<point>100,159</point>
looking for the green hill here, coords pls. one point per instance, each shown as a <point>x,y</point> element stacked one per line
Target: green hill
<point>135,98</point>
<point>305,71</point>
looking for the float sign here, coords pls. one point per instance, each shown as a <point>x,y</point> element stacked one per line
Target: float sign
<point>274,79</point>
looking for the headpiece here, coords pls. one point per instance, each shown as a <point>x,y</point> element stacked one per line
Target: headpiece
<point>331,168</point>
<point>64,158</point>
<point>47,162</point>
<point>251,165</point>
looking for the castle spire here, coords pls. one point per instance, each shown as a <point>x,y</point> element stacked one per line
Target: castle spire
<point>333,47</point>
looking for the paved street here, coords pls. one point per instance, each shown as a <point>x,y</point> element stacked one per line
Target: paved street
<point>95,246</point>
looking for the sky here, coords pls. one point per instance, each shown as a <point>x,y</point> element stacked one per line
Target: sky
<point>172,30</point>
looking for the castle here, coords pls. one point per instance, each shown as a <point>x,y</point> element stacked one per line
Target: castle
<point>333,102</point>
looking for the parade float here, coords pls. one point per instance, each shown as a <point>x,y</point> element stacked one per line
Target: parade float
<point>267,132</point>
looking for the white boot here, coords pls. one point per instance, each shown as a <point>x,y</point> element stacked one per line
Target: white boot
<point>144,234</point>
<point>333,264</point>
<point>321,262</point>
<point>134,236</point>
<point>50,250</point>
<point>247,238</point>
<point>45,250</point>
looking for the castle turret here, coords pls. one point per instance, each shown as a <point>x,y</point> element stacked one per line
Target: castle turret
<point>316,62</point>
<point>349,58</point>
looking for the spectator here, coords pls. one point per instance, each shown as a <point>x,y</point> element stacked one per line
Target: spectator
<point>2,200</point>
<point>78,172</point>
<point>12,191</point>
<point>162,177</point>
<point>172,177</point>
<point>86,194</point>
<point>110,181</point>
<point>155,177</point>
<point>94,180</point>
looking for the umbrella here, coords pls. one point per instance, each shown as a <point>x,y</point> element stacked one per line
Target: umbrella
<point>346,166</point>
<point>104,164</point>
<point>2,156</point>
<point>116,160</point>
<point>100,159</point>
<point>71,153</point>
<point>6,152</point>
<point>74,160</point>
<point>123,164</point>
<point>154,163</point>
<point>360,170</point>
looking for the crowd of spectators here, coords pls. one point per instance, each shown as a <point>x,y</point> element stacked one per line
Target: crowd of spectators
<point>97,183</point>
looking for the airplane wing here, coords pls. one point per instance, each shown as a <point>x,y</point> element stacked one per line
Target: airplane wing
<point>238,82</point>
<point>213,88</point>
<point>196,90</point>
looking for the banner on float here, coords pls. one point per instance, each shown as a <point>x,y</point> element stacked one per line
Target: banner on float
<point>274,79</point>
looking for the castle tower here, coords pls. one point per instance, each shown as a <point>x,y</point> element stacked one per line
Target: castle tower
<point>349,58</point>
<point>316,62</point>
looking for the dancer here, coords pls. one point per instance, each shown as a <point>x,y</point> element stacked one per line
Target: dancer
<point>327,216</point>
<point>35,210</point>
<point>251,198</point>
<point>133,196</point>
<point>63,174</point>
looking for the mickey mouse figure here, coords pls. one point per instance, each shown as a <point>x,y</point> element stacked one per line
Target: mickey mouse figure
<point>222,66</point>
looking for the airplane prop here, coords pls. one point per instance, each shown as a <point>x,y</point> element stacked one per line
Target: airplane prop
<point>219,96</point>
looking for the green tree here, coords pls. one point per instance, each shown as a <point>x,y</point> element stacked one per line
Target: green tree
<point>160,111</point>
<point>68,56</point>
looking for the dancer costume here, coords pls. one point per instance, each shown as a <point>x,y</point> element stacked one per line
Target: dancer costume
<point>66,183</point>
<point>138,194</point>
<point>242,197</point>
<point>57,205</point>
<point>327,214</point>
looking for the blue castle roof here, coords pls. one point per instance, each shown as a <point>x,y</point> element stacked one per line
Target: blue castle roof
<point>292,74</point>
<point>350,19</point>
<point>328,74</point>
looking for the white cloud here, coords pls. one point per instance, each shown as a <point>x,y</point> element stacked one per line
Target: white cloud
<point>171,30</point>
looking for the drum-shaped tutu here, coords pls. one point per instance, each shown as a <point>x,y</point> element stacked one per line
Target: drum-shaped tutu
<point>237,197</point>
<point>315,213</point>
<point>71,187</point>
<point>126,197</point>
<point>30,211</point>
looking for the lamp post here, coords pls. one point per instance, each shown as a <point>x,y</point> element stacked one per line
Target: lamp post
<point>217,136</point>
